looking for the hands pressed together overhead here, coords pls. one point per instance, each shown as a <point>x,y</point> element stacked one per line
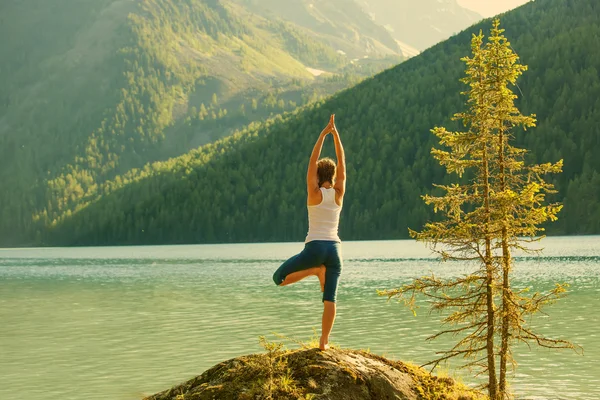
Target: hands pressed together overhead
<point>330,128</point>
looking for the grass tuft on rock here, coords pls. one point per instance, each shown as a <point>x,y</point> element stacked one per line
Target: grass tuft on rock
<point>308,373</point>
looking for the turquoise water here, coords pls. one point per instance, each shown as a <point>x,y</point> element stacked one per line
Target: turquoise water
<point>122,322</point>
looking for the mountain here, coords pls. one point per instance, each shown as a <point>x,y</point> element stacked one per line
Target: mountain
<point>385,24</point>
<point>250,187</point>
<point>343,24</point>
<point>423,23</point>
<point>90,89</point>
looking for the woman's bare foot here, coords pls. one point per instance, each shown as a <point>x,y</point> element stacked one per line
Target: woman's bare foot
<point>321,276</point>
<point>324,344</point>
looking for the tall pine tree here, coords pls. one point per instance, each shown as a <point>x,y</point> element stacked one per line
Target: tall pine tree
<point>518,199</point>
<point>485,217</point>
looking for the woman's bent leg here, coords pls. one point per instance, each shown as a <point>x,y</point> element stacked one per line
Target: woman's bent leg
<point>294,277</point>
<point>308,262</point>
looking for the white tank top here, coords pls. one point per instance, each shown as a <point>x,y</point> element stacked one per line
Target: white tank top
<point>323,219</point>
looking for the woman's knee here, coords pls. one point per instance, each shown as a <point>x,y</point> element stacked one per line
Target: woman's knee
<point>331,297</point>
<point>277,278</point>
<point>331,287</point>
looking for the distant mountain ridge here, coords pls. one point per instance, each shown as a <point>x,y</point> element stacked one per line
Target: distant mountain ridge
<point>423,23</point>
<point>340,23</point>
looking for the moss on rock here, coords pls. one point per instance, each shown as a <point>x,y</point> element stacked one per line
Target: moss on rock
<point>313,374</point>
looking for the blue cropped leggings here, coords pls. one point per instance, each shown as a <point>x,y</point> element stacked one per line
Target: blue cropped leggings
<point>316,253</point>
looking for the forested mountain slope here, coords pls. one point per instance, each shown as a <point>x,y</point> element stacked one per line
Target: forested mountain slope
<point>250,187</point>
<point>92,88</point>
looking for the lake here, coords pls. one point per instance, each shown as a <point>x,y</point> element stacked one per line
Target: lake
<point>123,322</point>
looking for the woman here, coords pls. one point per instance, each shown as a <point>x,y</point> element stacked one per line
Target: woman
<point>322,254</point>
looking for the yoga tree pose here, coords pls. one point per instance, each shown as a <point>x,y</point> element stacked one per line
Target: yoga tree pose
<point>322,254</point>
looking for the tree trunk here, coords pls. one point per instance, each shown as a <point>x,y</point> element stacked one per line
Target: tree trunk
<point>507,306</point>
<point>507,310</point>
<point>489,267</point>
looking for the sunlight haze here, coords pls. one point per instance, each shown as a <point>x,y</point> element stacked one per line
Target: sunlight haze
<point>489,8</point>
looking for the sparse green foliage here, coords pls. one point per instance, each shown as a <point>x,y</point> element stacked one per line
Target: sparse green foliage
<point>312,343</point>
<point>278,377</point>
<point>501,204</point>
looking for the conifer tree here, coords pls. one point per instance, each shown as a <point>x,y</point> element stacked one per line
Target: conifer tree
<point>485,216</point>
<point>518,198</point>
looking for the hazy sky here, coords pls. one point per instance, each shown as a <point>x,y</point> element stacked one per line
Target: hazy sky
<point>489,8</point>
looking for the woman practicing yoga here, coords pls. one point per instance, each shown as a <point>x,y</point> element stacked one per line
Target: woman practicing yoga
<point>322,254</point>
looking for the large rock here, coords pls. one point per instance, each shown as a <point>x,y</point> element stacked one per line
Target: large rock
<point>313,374</point>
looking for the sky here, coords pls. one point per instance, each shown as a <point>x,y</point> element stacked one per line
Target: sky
<point>489,8</point>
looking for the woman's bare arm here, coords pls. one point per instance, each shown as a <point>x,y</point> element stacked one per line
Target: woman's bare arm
<point>340,180</point>
<point>312,181</point>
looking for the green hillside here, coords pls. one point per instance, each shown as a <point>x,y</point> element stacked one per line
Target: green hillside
<point>90,89</point>
<point>250,187</point>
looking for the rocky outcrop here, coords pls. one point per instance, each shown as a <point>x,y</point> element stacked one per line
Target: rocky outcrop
<point>313,374</point>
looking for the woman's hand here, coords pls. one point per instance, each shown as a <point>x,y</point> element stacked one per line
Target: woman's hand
<point>332,123</point>
<point>330,128</point>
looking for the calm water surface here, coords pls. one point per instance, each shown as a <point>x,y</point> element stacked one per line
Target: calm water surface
<point>122,322</point>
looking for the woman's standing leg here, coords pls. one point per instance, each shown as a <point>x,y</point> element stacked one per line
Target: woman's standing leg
<point>332,276</point>
<point>329,310</point>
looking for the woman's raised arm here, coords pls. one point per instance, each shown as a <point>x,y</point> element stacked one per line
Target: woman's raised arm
<point>340,180</point>
<point>312,181</point>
